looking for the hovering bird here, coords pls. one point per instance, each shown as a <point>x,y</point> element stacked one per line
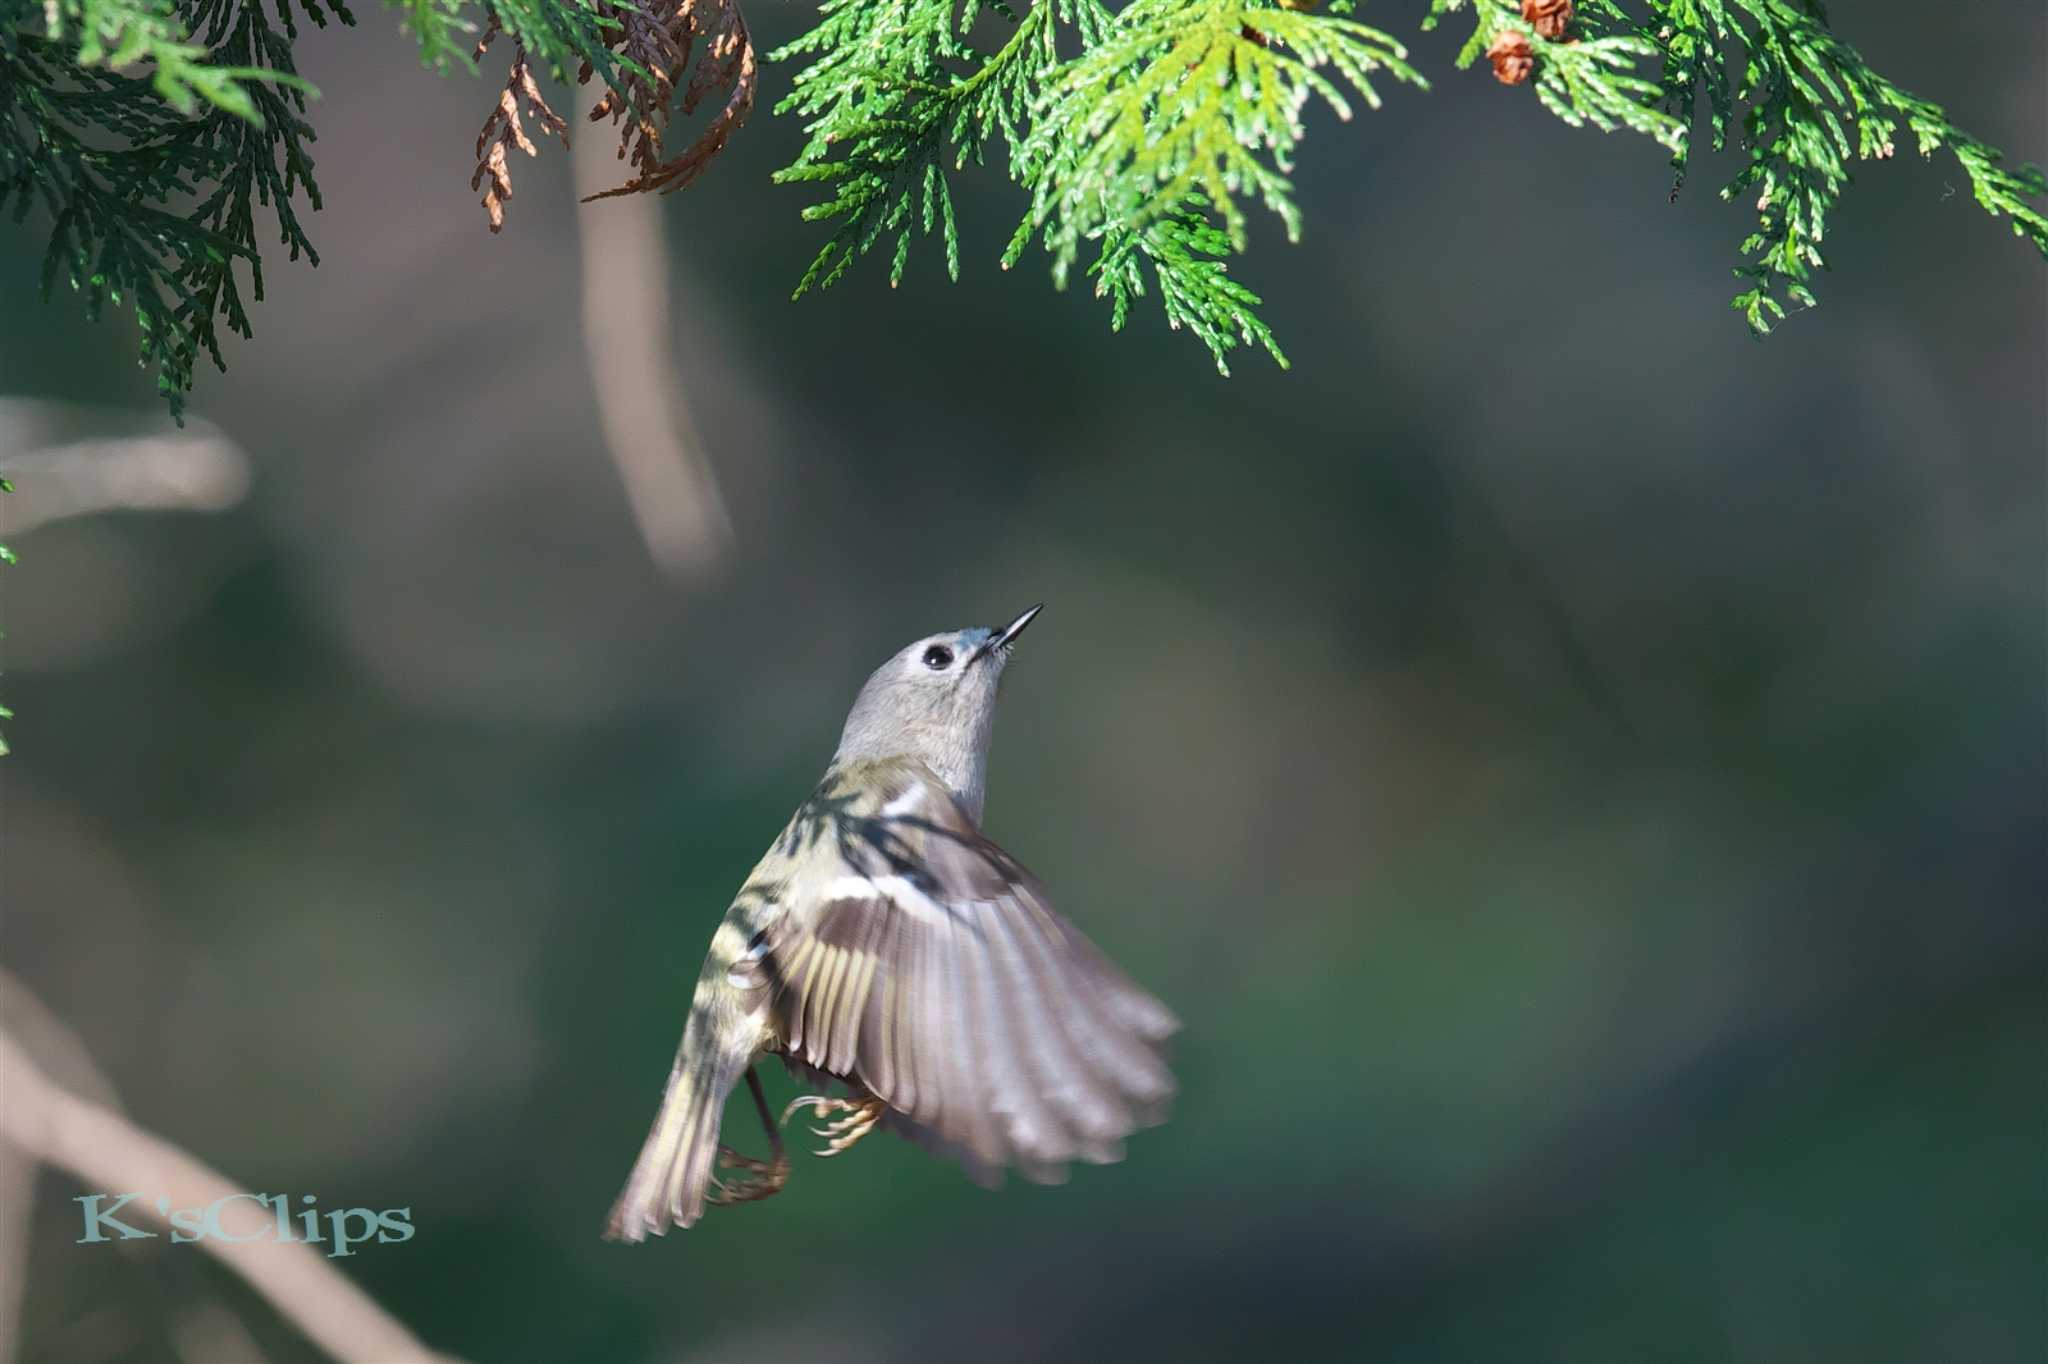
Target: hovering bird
<point>885,944</point>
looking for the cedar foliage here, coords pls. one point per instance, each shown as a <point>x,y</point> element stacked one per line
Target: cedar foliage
<point>164,138</point>
<point>1142,137</point>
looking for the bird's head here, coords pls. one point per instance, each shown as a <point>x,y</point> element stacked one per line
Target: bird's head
<point>935,702</point>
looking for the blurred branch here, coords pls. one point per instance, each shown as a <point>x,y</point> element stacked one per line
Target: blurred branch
<point>17,1197</point>
<point>197,469</point>
<point>58,1051</point>
<point>47,1122</point>
<point>201,1326</point>
<point>669,486</point>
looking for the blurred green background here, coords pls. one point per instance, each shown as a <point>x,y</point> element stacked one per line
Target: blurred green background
<point>1579,774</point>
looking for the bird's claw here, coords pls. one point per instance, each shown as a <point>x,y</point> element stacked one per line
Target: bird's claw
<point>842,1133</point>
<point>770,1176</point>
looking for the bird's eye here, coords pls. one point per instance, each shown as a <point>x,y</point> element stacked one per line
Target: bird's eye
<point>938,658</point>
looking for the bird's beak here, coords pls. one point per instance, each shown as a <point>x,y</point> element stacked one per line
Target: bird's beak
<point>1009,633</point>
<point>1005,637</point>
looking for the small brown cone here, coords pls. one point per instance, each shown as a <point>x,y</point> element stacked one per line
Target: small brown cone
<point>1548,17</point>
<point>1512,57</point>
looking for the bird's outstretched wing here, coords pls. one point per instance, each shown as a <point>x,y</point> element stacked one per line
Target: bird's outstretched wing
<point>934,973</point>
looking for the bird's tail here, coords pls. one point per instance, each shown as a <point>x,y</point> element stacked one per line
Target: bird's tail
<point>674,1169</point>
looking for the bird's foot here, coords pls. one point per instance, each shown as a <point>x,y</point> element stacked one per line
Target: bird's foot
<point>860,1118</point>
<point>768,1178</point>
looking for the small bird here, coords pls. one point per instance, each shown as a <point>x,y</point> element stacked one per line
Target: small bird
<point>886,945</point>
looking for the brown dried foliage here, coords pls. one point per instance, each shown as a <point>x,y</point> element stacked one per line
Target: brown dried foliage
<point>503,129</point>
<point>1548,17</point>
<point>663,42</point>
<point>707,39</point>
